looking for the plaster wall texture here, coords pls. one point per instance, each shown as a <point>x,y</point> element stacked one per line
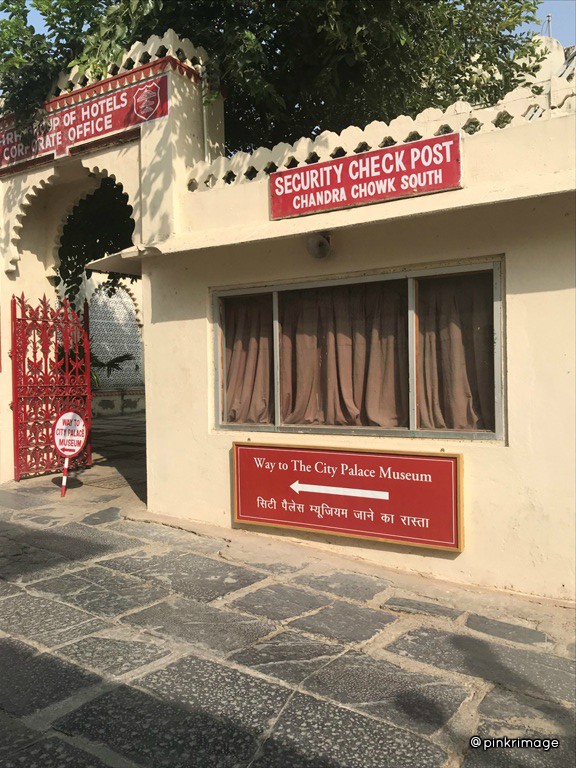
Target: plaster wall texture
<point>518,493</point>
<point>531,159</point>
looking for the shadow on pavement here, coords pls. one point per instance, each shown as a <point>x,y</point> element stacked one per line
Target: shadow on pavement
<point>131,722</point>
<point>118,454</point>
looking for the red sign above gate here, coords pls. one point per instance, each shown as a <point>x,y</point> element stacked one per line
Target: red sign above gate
<point>406,170</point>
<point>410,499</point>
<point>109,113</point>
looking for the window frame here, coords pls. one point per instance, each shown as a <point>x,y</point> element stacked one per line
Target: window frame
<point>494,264</point>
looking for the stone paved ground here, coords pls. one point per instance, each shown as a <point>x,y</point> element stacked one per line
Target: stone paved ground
<point>135,645</point>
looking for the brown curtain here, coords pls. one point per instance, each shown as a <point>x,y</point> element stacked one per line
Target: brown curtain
<point>248,335</point>
<point>343,355</point>
<point>456,352</point>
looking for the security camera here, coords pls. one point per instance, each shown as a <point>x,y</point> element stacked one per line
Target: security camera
<point>318,245</point>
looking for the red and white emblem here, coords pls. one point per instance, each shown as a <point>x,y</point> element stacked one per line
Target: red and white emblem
<point>147,100</point>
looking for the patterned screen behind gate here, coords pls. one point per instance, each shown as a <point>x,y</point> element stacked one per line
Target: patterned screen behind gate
<point>50,374</point>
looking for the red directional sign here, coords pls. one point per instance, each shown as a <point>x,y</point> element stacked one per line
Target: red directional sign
<point>405,170</point>
<point>412,499</point>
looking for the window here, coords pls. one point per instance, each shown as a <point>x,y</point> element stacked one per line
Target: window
<point>410,355</point>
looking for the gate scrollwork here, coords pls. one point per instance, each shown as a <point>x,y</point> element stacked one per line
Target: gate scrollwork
<point>50,374</point>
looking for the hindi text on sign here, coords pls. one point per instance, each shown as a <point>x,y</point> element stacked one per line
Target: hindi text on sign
<point>404,498</point>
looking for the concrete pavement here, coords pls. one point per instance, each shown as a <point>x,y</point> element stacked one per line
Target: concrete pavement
<point>130,644</point>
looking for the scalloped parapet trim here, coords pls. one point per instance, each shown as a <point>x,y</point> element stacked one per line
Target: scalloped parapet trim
<point>139,54</point>
<point>517,108</point>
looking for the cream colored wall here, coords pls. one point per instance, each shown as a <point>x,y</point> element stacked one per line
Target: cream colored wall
<point>518,494</point>
<point>35,203</point>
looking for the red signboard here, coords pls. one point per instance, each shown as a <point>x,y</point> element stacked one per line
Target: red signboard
<point>415,168</point>
<point>93,118</point>
<point>410,499</point>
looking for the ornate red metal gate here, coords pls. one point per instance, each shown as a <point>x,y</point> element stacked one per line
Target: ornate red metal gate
<point>50,374</point>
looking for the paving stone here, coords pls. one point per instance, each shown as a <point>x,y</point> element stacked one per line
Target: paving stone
<point>277,568</point>
<point>105,498</point>
<point>32,680</point>
<point>38,485</point>
<point>167,535</point>
<point>353,585</point>
<point>502,757</point>
<point>204,625</point>
<point>288,656</point>
<point>76,541</point>
<point>407,605</point>
<point>22,563</point>
<point>101,591</point>
<point>7,589</point>
<point>418,702</point>
<point>280,601</point>
<point>43,521</point>
<point>344,622</point>
<point>192,575</point>
<point>156,734</point>
<point>19,500</point>
<point>515,708</point>
<point>106,482</point>
<point>45,621</point>
<point>106,515</point>
<point>14,735</point>
<point>113,656</point>
<point>266,557</point>
<point>538,674</point>
<point>53,753</point>
<point>219,691</point>
<point>316,734</point>
<point>133,563</point>
<point>503,629</point>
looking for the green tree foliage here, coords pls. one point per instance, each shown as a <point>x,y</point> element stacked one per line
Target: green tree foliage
<point>288,68</point>
<point>99,224</point>
<point>31,61</point>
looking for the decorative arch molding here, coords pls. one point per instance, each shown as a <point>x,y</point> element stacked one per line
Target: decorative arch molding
<point>16,215</point>
<point>98,175</point>
<point>21,228</point>
<point>87,172</point>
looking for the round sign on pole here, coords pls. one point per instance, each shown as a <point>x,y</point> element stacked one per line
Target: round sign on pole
<point>70,434</point>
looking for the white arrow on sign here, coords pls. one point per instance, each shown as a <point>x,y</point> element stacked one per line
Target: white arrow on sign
<point>298,486</point>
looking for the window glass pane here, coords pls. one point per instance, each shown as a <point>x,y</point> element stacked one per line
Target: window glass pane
<point>344,355</point>
<point>456,352</point>
<point>248,359</point>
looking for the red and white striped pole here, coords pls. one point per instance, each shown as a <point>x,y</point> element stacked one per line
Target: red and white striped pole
<point>70,434</point>
<point>64,477</point>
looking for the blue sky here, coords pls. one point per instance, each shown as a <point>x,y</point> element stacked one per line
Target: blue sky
<point>563,20</point>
